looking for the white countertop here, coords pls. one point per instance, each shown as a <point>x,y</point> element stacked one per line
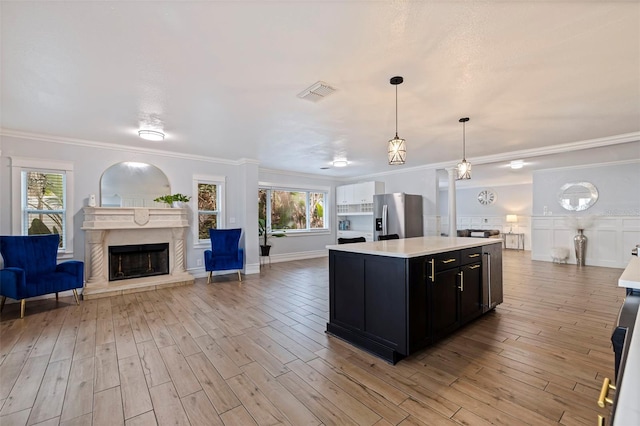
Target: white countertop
<point>627,408</point>
<point>630,278</point>
<point>414,247</point>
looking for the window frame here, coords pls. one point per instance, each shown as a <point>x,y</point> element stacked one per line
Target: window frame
<point>220,182</point>
<point>307,189</point>
<point>19,165</point>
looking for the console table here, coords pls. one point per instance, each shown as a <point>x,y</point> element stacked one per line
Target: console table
<point>512,238</point>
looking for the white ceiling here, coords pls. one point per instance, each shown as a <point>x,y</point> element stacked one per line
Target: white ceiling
<point>221,78</point>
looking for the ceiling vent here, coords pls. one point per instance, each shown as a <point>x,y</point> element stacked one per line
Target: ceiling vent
<point>316,92</point>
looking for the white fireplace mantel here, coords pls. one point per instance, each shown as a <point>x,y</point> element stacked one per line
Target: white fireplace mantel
<point>110,226</point>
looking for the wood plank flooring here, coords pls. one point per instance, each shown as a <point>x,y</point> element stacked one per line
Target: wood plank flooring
<point>255,352</point>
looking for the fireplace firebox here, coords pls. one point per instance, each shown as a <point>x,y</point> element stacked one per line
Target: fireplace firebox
<point>138,260</point>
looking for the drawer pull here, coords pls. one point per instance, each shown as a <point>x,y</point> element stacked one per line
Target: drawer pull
<point>600,420</point>
<point>433,270</point>
<point>474,267</point>
<point>604,392</point>
<point>448,261</point>
<point>474,255</point>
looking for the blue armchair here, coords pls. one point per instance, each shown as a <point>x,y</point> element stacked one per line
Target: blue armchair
<point>225,254</point>
<point>31,269</point>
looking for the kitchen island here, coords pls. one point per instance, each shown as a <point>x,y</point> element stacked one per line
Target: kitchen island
<point>395,297</point>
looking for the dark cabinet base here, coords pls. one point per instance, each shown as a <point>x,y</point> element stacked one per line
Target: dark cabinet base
<point>383,351</point>
<point>393,306</point>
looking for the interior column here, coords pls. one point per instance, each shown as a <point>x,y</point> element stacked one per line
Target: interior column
<point>453,227</point>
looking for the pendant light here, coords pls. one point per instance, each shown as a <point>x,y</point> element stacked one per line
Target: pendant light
<point>464,167</point>
<point>397,150</point>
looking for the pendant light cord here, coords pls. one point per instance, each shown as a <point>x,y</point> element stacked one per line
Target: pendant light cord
<point>396,111</point>
<point>464,144</point>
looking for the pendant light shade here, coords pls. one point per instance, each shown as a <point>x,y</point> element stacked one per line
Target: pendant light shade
<point>397,149</point>
<point>464,167</point>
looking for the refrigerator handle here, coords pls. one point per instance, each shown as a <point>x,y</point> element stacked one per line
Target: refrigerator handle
<point>489,278</point>
<point>384,219</point>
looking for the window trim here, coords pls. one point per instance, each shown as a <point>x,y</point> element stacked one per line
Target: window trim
<point>23,164</point>
<point>298,188</point>
<point>221,182</point>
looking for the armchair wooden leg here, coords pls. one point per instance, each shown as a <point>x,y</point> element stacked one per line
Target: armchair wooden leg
<point>23,304</point>
<point>239,276</point>
<point>4,299</point>
<point>209,277</point>
<point>75,294</point>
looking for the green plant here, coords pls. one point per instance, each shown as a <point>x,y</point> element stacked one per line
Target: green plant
<point>264,234</point>
<point>173,197</point>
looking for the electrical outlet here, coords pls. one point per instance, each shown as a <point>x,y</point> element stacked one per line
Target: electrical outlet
<point>486,220</point>
<point>199,262</point>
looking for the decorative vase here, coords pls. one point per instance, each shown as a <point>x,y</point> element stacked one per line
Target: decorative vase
<point>580,244</point>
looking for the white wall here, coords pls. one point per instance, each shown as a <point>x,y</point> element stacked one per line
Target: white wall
<point>615,217</point>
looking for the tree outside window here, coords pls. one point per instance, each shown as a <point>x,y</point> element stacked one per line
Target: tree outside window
<point>291,210</point>
<point>44,204</point>
<point>208,210</point>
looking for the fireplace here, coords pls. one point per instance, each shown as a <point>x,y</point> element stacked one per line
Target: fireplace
<point>132,249</point>
<point>138,260</point>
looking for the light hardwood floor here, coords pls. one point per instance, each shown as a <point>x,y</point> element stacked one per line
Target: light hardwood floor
<point>255,352</point>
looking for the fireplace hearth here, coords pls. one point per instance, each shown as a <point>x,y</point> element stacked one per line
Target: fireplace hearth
<point>138,260</point>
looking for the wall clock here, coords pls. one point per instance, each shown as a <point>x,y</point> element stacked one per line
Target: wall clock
<point>486,197</point>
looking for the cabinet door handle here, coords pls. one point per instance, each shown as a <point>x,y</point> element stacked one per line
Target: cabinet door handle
<point>604,392</point>
<point>433,270</point>
<point>600,420</point>
<point>461,273</point>
<point>474,255</point>
<point>474,267</point>
<point>448,261</point>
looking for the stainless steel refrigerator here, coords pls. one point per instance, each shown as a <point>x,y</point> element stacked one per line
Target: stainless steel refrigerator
<point>397,213</point>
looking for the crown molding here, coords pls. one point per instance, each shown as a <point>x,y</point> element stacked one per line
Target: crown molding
<point>116,147</point>
<point>591,165</point>
<point>299,174</point>
<point>518,155</point>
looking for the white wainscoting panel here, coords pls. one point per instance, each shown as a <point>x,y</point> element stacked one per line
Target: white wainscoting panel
<point>609,244</point>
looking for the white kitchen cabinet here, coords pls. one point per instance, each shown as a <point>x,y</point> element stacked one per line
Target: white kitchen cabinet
<point>363,192</point>
<point>344,195</point>
<point>358,193</point>
<point>354,207</point>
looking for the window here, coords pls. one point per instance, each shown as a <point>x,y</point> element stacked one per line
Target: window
<point>44,206</point>
<point>289,209</point>
<point>210,198</point>
<point>43,191</point>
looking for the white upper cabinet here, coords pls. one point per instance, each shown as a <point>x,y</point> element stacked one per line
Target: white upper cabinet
<point>363,192</point>
<point>344,194</point>
<point>358,193</point>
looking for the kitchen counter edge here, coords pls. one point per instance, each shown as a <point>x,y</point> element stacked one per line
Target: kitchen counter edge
<point>414,247</point>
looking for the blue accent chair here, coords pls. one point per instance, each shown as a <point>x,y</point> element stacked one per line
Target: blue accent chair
<point>31,269</point>
<point>225,253</point>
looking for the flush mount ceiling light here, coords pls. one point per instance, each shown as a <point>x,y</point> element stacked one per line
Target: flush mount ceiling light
<point>516,164</point>
<point>151,135</point>
<point>397,150</point>
<point>340,163</point>
<point>464,167</point>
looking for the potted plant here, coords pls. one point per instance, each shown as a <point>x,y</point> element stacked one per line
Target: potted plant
<point>174,200</point>
<point>265,248</point>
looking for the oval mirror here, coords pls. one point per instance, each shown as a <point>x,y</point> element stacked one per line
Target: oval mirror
<point>131,184</point>
<point>577,196</point>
